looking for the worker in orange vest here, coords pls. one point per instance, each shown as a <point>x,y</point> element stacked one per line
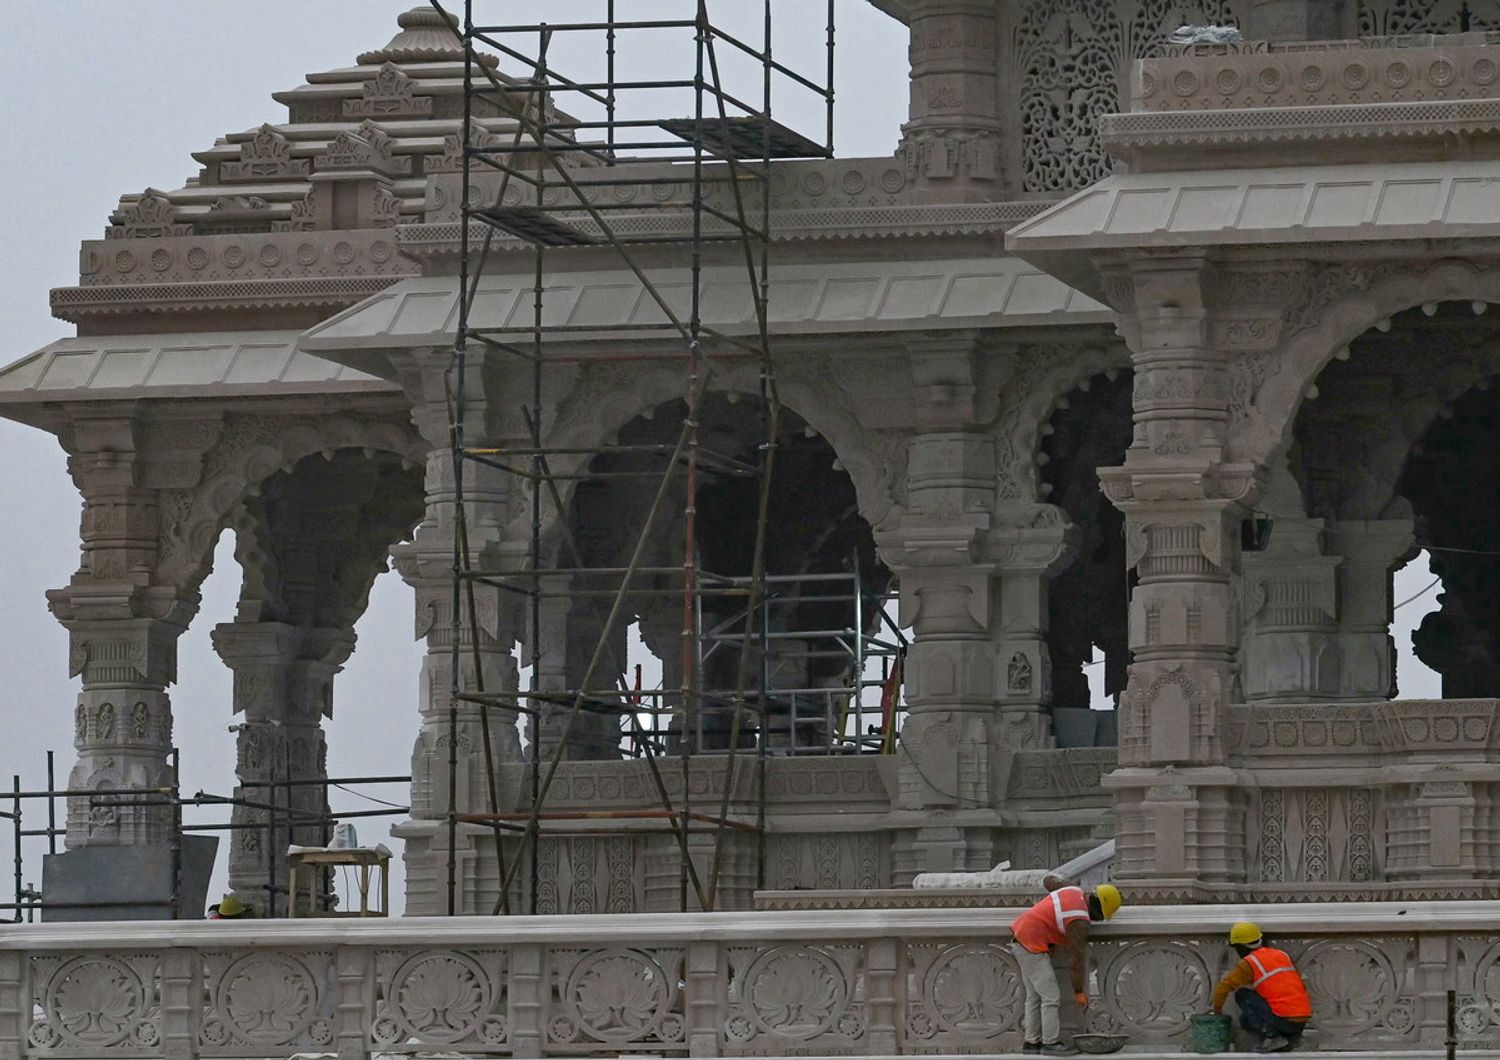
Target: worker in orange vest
<point>1060,919</point>
<point>1268,989</point>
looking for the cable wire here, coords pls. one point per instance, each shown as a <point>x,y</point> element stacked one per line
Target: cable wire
<point>1424,592</point>
<point>371,798</point>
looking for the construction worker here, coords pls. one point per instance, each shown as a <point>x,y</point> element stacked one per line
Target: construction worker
<point>229,908</point>
<point>1060,919</point>
<point>1270,993</point>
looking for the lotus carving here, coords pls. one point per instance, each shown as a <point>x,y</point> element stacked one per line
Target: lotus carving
<point>974,992</point>
<point>267,999</point>
<point>1156,988</point>
<point>796,993</point>
<point>441,996</point>
<point>94,1001</point>
<point>618,997</point>
<point>1351,985</point>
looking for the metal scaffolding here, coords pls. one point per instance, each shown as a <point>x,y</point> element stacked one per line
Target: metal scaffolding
<point>281,824</point>
<point>557,185</point>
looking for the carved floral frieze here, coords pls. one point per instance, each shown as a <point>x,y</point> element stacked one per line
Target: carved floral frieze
<point>240,256</point>
<point>887,983</point>
<point>1301,77</point>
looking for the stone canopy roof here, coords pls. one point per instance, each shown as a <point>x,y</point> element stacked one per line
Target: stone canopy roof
<point>296,221</point>
<point>295,214</point>
<point>392,114</point>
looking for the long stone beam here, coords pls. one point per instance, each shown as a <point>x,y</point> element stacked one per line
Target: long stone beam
<point>808,983</point>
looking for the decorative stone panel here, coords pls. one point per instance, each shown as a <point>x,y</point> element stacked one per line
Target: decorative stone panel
<point>878,982</point>
<point>1262,75</point>
<point>1066,65</point>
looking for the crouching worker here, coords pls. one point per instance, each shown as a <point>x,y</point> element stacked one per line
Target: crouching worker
<point>1273,1001</point>
<point>231,908</point>
<point>1059,920</point>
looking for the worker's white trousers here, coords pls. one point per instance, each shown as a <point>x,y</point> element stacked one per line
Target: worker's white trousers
<point>1042,1023</point>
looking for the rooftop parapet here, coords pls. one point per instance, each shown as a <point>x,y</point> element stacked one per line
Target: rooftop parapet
<point>1259,74</point>
<point>1403,98</point>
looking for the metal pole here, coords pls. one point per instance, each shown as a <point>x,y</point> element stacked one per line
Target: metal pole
<point>859,653</point>
<point>829,102</point>
<point>15,787</point>
<point>538,309</point>
<point>459,369</point>
<point>176,837</point>
<point>51,803</point>
<point>271,843</point>
<point>690,678</point>
<point>1452,1040</point>
<point>609,73</point>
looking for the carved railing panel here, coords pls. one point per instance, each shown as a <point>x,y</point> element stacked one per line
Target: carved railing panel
<point>93,1004</point>
<point>441,999</point>
<point>616,999</point>
<point>266,1001</point>
<point>810,983</point>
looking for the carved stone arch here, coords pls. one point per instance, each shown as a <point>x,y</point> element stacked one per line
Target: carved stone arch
<point>250,449</point>
<point>367,506</point>
<point>1041,381</point>
<point>605,400</point>
<point>1341,303</point>
<point>1413,412</point>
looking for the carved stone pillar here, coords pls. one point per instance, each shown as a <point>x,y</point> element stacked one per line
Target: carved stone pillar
<point>1289,592</point>
<point>950,144</point>
<point>1183,504</point>
<point>570,630</point>
<point>972,584</point>
<point>1026,559</point>
<point>283,685</point>
<point>123,720</point>
<point>1372,551</point>
<point>426,563</point>
<point>123,624</point>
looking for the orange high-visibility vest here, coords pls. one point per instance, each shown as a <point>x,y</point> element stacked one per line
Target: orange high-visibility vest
<point>1045,924</point>
<point>1278,981</point>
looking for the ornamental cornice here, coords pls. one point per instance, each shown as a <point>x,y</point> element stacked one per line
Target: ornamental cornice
<point>158,260</point>
<point>1130,137</point>
<point>441,238</point>
<point>1317,73</point>
<point>77,303</point>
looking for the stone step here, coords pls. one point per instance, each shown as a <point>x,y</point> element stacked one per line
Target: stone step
<point>1156,1053</point>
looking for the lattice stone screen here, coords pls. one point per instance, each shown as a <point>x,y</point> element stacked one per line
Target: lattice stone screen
<point>1066,62</point>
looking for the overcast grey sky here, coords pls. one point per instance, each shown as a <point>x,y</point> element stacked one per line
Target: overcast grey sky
<point>110,96</point>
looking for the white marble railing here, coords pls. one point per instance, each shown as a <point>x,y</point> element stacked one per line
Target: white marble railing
<point>866,982</point>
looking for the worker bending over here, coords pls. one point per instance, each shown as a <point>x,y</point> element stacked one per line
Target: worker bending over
<point>1268,989</point>
<point>1059,920</point>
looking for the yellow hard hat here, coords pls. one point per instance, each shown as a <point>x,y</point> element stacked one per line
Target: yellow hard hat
<point>231,906</point>
<point>1244,933</point>
<point>1109,899</point>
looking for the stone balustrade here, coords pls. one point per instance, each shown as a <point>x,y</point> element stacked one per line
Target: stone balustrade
<point>812,983</point>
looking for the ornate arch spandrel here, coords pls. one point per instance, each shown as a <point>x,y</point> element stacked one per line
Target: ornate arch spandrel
<point>1044,376</point>
<point>1340,303</point>
<point>819,389</point>
<point>1387,434</point>
<point>250,449</point>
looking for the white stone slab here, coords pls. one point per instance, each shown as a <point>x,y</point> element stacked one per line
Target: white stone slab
<point>1298,204</point>
<point>195,364</point>
<point>809,298</point>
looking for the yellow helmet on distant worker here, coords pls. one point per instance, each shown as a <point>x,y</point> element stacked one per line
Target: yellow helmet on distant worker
<point>1109,899</point>
<point>231,906</point>
<point>1244,933</point>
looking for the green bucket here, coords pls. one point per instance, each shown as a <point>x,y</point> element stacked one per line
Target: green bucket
<point>1210,1033</point>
